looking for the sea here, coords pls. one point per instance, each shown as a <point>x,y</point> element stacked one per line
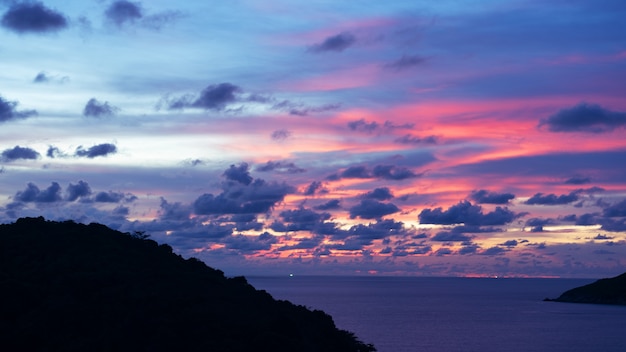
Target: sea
<point>409,314</point>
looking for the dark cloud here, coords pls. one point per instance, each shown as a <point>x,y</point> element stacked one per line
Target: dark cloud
<point>466,213</point>
<point>43,77</point>
<point>303,110</point>
<point>279,166</point>
<point>337,43</point>
<point>96,151</point>
<point>493,251</point>
<point>603,237</point>
<point>448,236</point>
<point>510,243</point>
<point>372,209</point>
<point>280,135</point>
<point>370,127</point>
<point>382,193</point>
<point>615,210</point>
<point>75,191</point>
<point>238,174</point>
<point>392,172</point>
<point>301,219</point>
<point>312,188</point>
<point>577,180</point>
<point>8,111</point>
<point>330,205</point>
<point>33,194</point>
<point>213,97</point>
<point>113,197</point>
<point>585,117</point>
<point>552,199</point>
<point>406,62</point>
<point>387,172</point>
<point>123,12</point>
<point>411,139</point>
<point>485,197</point>
<point>17,153</point>
<point>54,152</point>
<point>249,244</point>
<point>95,108</point>
<point>174,211</point>
<point>537,224</point>
<point>33,17</point>
<point>613,225</point>
<point>363,126</point>
<point>242,195</point>
<point>379,229</point>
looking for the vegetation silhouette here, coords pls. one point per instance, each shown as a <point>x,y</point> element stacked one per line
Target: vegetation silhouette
<point>603,291</point>
<point>72,287</point>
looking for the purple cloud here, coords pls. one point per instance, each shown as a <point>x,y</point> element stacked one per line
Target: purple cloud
<point>32,17</point>
<point>17,153</point>
<point>8,111</point>
<point>336,43</point>
<point>585,117</point>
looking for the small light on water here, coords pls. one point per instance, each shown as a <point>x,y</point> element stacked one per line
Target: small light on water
<point>290,274</point>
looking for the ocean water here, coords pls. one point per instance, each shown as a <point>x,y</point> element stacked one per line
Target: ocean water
<point>399,314</point>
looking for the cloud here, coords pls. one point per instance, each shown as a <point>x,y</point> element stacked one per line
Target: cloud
<point>174,211</point>
<point>122,12</point>
<point>213,97</point>
<point>330,205</point>
<point>96,151</point>
<point>585,117</point>
<point>43,77</point>
<point>17,153</point>
<point>411,139</point>
<point>238,174</point>
<point>372,209</point>
<point>447,236</point>
<point>392,172</point>
<point>33,194</point>
<point>312,188</point>
<point>466,213</point>
<point>280,135</point>
<point>386,172</point>
<point>242,194</point>
<point>284,167</point>
<point>8,111</point>
<point>113,197</point>
<point>364,126</point>
<point>95,108</point>
<point>485,197</point>
<point>382,193</point>
<point>75,191</point>
<point>301,219</point>
<point>406,62</point>
<point>615,210</point>
<point>303,110</point>
<point>32,17</point>
<point>336,43</point>
<point>577,180</point>
<point>552,199</point>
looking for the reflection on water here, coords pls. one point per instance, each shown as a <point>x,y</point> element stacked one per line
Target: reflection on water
<point>399,314</point>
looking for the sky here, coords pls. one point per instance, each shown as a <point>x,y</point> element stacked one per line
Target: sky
<point>448,138</point>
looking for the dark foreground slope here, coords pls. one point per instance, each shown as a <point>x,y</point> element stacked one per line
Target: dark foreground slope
<point>72,287</point>
<point>604,291</point>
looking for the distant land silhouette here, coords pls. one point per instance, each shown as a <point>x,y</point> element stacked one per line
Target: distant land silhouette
<point>603,291</point>
<point>66,286</point>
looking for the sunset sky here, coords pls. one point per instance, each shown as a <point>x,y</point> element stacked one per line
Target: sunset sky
<point>439,138</point>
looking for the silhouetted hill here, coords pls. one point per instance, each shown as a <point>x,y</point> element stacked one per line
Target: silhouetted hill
<point>71,287</point>
<point>603,291</point>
